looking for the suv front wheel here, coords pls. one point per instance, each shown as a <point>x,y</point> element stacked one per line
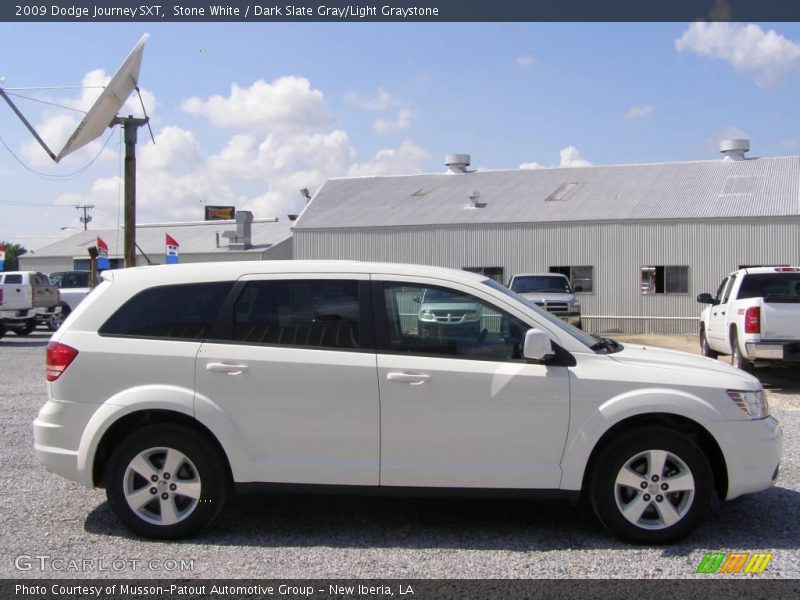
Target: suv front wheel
<point>652,486</point>
<point>166,482</point>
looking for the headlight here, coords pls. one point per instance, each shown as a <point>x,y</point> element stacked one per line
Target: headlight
<point>754,404</point>
<point>426,315</point>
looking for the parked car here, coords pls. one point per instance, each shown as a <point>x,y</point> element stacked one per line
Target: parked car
<point>73,287</point>
<point>28,298</point>
<point>552,291</point>
<point>444,313</point>
<point>171,386</point>
<point>754,317</point>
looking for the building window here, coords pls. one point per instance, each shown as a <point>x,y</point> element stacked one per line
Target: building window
<point>582,278</point>
<point>495,273</point>
<point>665,280</point>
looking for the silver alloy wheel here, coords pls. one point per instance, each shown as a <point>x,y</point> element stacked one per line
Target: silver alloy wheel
<point>654,489</point>
<point>162,486</point>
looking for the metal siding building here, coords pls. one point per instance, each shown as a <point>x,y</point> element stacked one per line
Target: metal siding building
<point>200,241</point>
<point>707,216</point>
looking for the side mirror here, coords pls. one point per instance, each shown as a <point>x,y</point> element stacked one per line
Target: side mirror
<point>705,298</point>
<point>537,345</point>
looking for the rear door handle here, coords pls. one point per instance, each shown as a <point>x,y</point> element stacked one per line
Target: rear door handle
<point>226,368</point>
<point>410,378</point>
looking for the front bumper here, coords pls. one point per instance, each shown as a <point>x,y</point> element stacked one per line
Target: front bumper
<point>752,451</point>
<point>785,351</point>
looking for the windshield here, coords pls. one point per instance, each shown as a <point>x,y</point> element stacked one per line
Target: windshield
<point>584,338</point>
<point>541,283</point>
<point>70,279</point>
<point>441,295</point>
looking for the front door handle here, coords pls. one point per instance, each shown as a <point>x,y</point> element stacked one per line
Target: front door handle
<point>410,378</point>
<point>230,369</point>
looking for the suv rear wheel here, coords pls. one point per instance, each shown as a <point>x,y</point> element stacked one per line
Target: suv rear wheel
<point>166,482</point>
<point>652,486</point>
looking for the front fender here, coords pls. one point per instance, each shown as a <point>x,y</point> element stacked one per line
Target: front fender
<point>585,433</point>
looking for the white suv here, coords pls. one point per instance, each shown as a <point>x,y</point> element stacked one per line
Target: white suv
<point>171,386</point>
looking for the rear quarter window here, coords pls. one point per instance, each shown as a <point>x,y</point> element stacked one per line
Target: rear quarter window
<point>185,311</point>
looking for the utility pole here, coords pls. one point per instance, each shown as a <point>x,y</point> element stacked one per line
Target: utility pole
<point>130,126</point>
<point>86,218</point>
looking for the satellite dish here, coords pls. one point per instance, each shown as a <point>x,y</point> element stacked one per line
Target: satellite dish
<point>103,112</point>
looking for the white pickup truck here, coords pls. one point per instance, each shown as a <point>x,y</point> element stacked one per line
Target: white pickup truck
<point>754,317</point>
<point>26,298</point>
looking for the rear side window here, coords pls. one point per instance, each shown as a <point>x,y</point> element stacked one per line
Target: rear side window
<point>13,279</point>
<point>171,311</point>
<point>317,313</point>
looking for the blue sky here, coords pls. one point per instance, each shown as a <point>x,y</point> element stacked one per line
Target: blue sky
<point>248,114</point>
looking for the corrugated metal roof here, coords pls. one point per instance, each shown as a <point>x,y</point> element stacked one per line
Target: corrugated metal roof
<point>700,189</point>
<point>194,238</point>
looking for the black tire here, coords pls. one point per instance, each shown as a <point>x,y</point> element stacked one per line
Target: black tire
<point>738,360</point>
<point>654,524</point>
<point>201,462</point>
<point>3,331</point>
<point>55,321</point>
<point>26,329</point>
<point>705,349</point>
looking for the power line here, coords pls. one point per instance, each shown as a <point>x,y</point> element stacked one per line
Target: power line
<point>49,176</point>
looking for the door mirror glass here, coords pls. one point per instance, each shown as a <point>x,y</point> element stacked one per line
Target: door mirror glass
<point>537,345</point>
<point>705,298</point>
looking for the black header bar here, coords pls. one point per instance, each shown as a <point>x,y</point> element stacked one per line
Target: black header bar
<point>359,11</point>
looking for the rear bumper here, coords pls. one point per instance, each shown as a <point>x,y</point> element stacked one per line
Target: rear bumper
<point>785,351</point>
<point>57,434</point>
<point>752,451</point>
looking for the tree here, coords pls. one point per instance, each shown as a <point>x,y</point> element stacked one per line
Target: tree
<point>13,252</point>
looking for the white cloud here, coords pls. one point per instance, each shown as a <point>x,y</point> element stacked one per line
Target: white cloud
<point>288,104</point>
<point>570,157</point>
<point>403,121</point>
<point>766,54</point>
<point>263,169</point>
<point>380,99</point>
<point>639,112</point>
<point>175,149</point>
<point>525,62</point>
<point>408,158</point>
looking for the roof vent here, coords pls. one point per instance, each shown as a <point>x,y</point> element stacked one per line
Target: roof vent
<point>241,238</point>
<point>457,163</point>
<point>734,149</point>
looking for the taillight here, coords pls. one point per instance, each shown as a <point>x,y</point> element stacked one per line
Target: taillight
<point>59,357</point>
<point>752,320</point>
<point>787,269</point>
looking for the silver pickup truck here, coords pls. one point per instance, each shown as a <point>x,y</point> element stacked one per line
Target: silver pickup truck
<point>552,291</point>
<point>26,298</point>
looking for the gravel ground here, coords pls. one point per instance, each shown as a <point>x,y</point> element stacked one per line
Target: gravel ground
<point>288,536</point>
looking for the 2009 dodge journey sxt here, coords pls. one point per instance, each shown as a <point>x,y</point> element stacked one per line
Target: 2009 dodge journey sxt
<point>172,385</point>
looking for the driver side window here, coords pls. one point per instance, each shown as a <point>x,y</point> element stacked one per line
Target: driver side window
<point>432,320</point>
